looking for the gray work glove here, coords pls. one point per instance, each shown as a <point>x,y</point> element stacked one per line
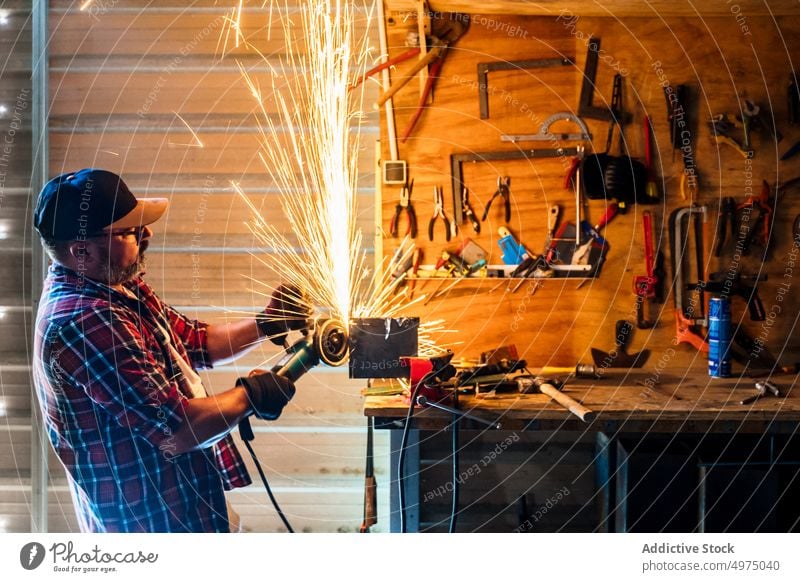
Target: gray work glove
<point>287,310</point>
<point>268,393</point>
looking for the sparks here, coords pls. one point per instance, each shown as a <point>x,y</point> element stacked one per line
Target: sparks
<point>310,148</point>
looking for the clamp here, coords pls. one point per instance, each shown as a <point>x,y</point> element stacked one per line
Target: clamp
<point>504,191</point>
<point>405,205</point>
<point>438,212</point>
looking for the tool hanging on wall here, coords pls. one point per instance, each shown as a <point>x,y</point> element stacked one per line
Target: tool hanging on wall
<point>723,128</point>
<point>444,33</point>
<point>545,134</point>
<point>457,161</point>
<point>753,119</point>
<point>404,205</point>
<point>504,191</point>
<point>586,108</point>
<point>685,312</point>
<point>793,95</point>
<point>756,229</point>
<point>651,190</point>
<point>681,130</point>
<point>644,286</point>
<point>438,212</point>
<point>467,213</point>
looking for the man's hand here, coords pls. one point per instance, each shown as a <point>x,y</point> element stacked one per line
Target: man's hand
<point>287,311</point>
<point>268,393</point>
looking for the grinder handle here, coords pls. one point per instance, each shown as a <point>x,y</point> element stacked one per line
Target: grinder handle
<point>570,404</point>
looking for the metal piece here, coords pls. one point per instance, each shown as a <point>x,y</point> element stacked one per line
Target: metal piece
<point>485,68</point>
<point>544,133</point>
<point>456,161</point>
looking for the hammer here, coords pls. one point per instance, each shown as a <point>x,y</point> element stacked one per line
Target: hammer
<point>540,384</point>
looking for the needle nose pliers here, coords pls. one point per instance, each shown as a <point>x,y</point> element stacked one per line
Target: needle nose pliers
<point>438,211</point>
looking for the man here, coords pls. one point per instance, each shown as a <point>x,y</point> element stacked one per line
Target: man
<point>144,447</point>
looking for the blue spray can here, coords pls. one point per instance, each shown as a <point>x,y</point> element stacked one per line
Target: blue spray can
<point>719,337</point>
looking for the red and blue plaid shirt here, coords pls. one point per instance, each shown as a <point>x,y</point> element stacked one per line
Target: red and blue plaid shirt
<point>111,397</point>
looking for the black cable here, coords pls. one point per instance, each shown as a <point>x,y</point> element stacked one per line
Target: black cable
<point>456,486</point>
<point>402,455</point>
<point>247,435</point>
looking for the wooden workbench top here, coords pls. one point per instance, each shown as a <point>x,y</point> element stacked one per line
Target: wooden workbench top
<point>619,403</point>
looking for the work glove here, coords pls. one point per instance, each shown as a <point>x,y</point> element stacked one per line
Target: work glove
<point>287,310</point>
<point>268,393</point>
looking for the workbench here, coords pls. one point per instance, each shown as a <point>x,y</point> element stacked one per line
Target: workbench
<point>703,407</point>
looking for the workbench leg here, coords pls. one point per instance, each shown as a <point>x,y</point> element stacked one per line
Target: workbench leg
<point>411,481</point>
<point>605,473</point>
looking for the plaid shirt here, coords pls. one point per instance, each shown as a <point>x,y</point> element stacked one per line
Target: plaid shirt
<point>111,397</point>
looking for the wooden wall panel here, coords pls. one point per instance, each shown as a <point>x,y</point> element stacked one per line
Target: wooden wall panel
<point>720,60</point>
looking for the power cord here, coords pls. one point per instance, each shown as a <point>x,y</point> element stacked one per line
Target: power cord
<point>402,455</point>
<point>246,434</point>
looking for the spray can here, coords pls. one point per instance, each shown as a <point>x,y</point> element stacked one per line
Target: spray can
<point>719,337</point>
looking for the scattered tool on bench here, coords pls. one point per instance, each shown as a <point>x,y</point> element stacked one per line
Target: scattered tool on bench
<point>619,356</point>
<point>438,212</point>
<point>405,205</point>
<point>554,389</point>
<point>644,286</point>
<point>763,389</point>
<point>686,319</point>
<point>504,192</point>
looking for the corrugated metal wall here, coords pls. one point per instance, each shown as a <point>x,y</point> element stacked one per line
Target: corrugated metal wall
<point>120,75</point>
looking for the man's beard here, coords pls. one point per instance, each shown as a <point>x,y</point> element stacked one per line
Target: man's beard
<point>117,275</point>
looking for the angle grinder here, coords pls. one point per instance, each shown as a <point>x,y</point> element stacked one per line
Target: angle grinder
<point>327,343</point>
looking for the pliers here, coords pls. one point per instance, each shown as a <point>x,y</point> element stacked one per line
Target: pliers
<point>727,214</point>
<point>438,211</point>
<point>467,213</point>
<point>503,190</point>
<point>405,204</point>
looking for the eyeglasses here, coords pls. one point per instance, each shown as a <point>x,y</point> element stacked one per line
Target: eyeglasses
<point>125,233</point>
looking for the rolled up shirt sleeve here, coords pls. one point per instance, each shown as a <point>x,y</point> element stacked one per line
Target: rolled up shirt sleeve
<point>116,370</point>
